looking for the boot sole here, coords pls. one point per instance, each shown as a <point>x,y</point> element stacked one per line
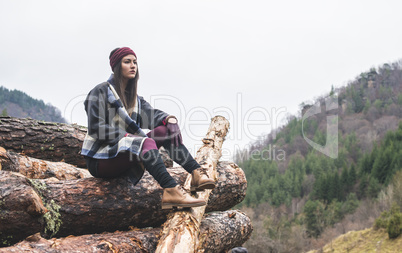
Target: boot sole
<point>202,187</point>
<point>172,205</point>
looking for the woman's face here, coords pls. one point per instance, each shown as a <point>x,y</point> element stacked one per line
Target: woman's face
<point>129,66</point>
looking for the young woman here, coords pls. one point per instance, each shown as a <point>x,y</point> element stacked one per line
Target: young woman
<point>115,144</point>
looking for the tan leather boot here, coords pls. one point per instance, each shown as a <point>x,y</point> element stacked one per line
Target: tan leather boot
<point>201,181</point>
<point>178,197</point>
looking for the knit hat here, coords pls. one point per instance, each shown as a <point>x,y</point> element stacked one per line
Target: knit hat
<point>118,54</point>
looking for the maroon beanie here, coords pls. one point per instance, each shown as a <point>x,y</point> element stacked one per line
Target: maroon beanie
<point>119,54</point>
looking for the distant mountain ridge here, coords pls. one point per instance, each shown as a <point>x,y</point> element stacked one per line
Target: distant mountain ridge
<point>304,199</point>
<point>368,107</point>
<point>18,104</point>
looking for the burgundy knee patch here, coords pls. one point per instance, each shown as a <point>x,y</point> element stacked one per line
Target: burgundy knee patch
<point>148,145</point>
<point>159,134</point>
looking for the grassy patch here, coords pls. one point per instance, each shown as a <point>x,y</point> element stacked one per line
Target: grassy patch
<point>368,240</point>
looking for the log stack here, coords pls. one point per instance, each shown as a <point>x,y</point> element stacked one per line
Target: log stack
<point>47,205</point>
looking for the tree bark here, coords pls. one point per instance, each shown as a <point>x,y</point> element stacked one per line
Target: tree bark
<point>219,232</point>
<point>93,205</point>
<point>44,140</point>
<point>180,232</point>
<point>40,169</point>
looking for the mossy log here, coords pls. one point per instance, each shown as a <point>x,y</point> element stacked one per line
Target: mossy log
<point>92,205</point>
<point>180,232</point>
<point>219,232</point>
<point>44,140</point>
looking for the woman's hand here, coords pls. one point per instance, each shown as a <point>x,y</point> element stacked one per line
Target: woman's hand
<point>174,131</point>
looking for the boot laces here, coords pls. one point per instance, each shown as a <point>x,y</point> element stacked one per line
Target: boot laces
<point>183,190</point>
<point>203,171</point>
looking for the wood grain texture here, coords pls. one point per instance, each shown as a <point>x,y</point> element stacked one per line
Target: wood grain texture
<point>219,232</point>
<point>44,140</point>
<point>39,169</point>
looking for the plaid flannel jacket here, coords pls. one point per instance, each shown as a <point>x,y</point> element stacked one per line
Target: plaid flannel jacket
<point>108,123</point>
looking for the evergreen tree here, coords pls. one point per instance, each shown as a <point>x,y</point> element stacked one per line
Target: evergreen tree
<point>334,187</point>
<point>352,175</point>
<point>4,112</point>
<point>367,106</point>
<point>341,160</point>
<point>314,211</point>
<point>352,146</point>
<point>367,162</point>
<point>357,97</point>
<point>296,186</point>
<point>394,226</point>
<point>351,203</point>
<point>321,188</point>
<point>252,199</point>
<point>345,186</point>
<point>382,165</point>
<point>373,187</point>
<point>363,186</point>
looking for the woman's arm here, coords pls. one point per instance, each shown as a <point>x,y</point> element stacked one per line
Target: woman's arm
<point>149,116</point>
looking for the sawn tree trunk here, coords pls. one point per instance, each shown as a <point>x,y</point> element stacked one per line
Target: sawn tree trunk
<point>219,232</point>
<point>44,140</point>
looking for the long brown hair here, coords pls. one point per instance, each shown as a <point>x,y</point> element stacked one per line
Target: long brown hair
<point>129,96</point>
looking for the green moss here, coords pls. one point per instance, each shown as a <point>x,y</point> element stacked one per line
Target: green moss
<point>5,240</point>
<point>39,186</point>
<point>2,217</point>
<point>52,218</point>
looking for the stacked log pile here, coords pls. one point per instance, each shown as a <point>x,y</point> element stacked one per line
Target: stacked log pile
<point>42,198</point>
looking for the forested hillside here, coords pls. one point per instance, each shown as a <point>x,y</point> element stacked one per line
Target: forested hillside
<point>305,198</point>
<point>16,103</point>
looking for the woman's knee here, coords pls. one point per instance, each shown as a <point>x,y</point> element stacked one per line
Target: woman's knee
<point>148,144</point>
<point>160,132</point>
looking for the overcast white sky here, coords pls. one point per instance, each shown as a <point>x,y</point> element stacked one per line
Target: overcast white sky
<point>244,59</point>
